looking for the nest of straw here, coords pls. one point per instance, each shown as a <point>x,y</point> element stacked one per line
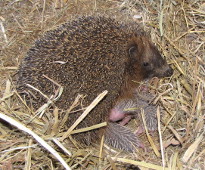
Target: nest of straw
<point>177,28</point>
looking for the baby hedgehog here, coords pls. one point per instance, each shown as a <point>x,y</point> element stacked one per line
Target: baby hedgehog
<point>123,111</point>
<point>129,108</point>
<point>86,56</point>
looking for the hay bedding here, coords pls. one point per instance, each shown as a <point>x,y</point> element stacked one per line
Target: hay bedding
<point>177,27</point>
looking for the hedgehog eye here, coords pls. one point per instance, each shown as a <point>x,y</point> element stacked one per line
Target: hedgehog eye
<point>145,64</point>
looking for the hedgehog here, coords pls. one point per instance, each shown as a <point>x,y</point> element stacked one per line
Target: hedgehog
<point>85,56</point>
<point>127,108</point>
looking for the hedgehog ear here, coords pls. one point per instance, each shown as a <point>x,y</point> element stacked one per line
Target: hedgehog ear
<point>133,51</point>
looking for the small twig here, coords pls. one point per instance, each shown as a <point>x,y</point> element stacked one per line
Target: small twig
<point>85,113</point>
<point>28,156</point>
<point>176,134</point>
<point>161,94</point>
<point>3,31</point>
<point>139,163</point>
<point>161,18</point>
<point>101,149</point>
<point>43,12</point>
<point>56,141</point>
<point>192,148</point>
<point>36,137</point>
<point>74,104</point>
<point>148,135</point>
<point>160,137</point>
<point>97,126</point>
<point>38,91</point>
<point>80,162</point>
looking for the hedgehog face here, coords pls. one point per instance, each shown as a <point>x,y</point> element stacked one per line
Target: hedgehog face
<point>146,61</point>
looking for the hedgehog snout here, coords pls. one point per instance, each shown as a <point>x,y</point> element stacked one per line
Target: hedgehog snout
<point>168,72</point>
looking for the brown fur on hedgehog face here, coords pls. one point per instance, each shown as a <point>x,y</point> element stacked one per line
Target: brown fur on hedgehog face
<point>144,62</point>
<point>148,59</point>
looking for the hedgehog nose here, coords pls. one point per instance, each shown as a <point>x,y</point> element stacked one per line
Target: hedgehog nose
<point>169,72</point>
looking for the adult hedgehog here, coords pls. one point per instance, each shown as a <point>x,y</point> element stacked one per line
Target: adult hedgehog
<point>86,56</point>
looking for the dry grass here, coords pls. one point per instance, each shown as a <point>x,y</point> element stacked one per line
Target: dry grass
<point>177,27</point>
